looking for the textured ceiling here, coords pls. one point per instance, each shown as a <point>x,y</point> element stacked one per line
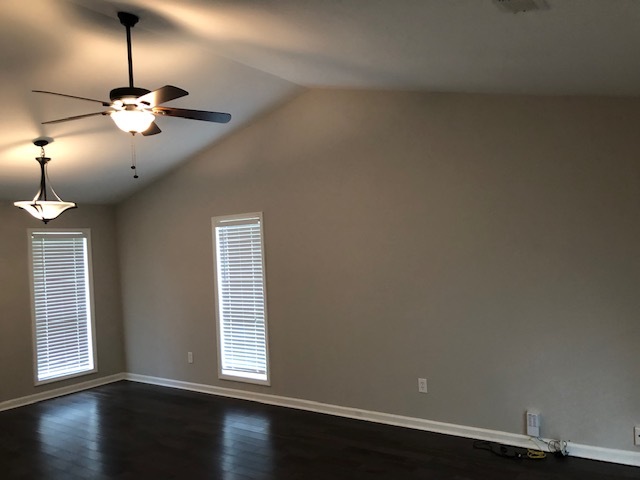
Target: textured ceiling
<point>246,56</point>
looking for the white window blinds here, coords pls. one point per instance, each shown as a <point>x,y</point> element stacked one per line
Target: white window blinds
<point>63,333</point>
<point>240,294</point>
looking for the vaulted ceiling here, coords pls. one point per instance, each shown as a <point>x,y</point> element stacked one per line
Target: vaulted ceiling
<point>247,56</point>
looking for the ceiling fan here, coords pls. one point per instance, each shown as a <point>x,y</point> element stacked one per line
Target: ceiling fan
<point>133,109</point>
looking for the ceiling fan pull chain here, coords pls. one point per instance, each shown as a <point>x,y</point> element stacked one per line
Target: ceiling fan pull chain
<point>133,156</point>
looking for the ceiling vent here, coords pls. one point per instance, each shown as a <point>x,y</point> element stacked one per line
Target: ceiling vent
<point>519,6</point>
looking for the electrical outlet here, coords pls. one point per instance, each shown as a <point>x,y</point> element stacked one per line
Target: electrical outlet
<point>422,385</point>
<point>190,357</point>
<point>636,435</point>
<point>534,419</point>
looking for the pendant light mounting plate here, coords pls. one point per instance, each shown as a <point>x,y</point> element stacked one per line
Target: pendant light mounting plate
<point>42,141</point>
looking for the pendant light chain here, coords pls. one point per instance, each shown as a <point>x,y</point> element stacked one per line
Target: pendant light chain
<point>44,173</point>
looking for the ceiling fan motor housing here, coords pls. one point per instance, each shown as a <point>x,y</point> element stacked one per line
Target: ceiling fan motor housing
<point>128,93</point>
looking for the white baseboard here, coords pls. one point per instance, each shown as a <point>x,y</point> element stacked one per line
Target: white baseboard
<point>58,392</point>
<point>623,457</point>
<point>576,450</point>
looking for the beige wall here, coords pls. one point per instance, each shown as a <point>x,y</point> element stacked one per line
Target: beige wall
<point>16,351</point>
<point>488,243</point>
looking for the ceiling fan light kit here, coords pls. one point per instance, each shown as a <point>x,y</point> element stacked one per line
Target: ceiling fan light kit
<point>46,205</point>
<point>132,120</point>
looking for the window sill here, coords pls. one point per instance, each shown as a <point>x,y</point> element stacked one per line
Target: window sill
<point>65,377</point>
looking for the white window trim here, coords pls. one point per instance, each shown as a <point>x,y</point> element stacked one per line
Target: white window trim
<point>87,233</point>
<point>229,220</point>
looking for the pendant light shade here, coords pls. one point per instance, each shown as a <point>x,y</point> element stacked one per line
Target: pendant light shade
<point>45,210</point>
<point>46,205</point>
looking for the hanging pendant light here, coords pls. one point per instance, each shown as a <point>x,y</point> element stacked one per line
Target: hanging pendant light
<point>46,205</point>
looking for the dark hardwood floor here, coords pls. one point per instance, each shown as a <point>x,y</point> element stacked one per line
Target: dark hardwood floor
<point>129,430</point>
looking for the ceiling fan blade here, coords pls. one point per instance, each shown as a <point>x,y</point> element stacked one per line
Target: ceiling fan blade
<point>76,117</point>
<point>162,95</point>
<point>104,104</point>
<point>193,114</point>
<point>154,129</point>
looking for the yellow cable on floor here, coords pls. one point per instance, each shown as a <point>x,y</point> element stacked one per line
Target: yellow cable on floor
<point>535,454</point>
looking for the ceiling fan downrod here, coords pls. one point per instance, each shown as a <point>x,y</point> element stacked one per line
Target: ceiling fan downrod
<point>129,20</point>
<point>120,94</point>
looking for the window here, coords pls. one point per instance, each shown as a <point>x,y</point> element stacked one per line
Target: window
<point>240,298</point>
<point>63,332</point>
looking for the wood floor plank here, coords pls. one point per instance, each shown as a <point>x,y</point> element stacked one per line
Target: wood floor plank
<point>128,430</point>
